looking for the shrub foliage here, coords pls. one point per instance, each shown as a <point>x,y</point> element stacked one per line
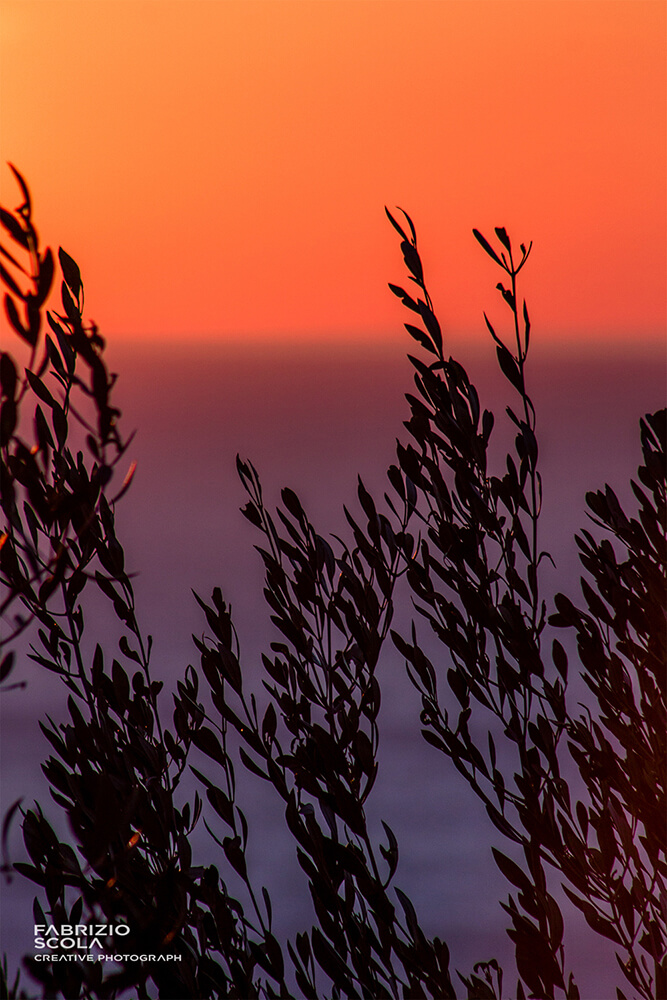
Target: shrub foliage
<point>463,544</point>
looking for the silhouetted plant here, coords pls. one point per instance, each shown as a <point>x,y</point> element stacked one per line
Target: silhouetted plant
<point>619,876</point>
<point>475,578</point>
<point>466,543</point>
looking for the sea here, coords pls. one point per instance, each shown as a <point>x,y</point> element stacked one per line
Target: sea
<point>314,417</point>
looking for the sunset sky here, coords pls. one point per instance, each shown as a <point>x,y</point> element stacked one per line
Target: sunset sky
<point>219,168</point>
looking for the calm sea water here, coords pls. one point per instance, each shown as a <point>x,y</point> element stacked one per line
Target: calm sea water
<point>313,419</point>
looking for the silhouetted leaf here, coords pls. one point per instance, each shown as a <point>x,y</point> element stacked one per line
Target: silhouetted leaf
<point>509,367</point>
<point>512,872</point>
<point>25,333</point>
<point>14,228</point>
<point>6,666</point>
<point>504,238</point>
<point>406,299</point>
<point>487,246</point>
<point>71,272</point>
<point>8,376</point>
<point>395,224</point>
<point>9,281</point>
<point>421,337</point>
<point>412,261</point>
<point>234,854</point>
<point>39,388</point>
<point>207,741</point>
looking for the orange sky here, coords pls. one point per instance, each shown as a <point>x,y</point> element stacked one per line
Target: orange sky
<point>219,168</point>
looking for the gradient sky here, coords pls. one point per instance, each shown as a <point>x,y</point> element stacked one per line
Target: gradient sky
<point>219,168</point>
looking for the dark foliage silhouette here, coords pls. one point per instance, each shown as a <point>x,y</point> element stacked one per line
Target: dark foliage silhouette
<point>459,541</point>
